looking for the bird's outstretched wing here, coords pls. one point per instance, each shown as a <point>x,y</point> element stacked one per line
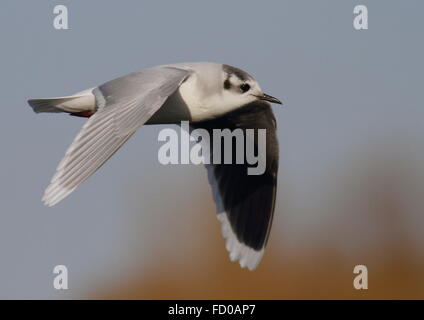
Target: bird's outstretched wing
<point>245,203</point>
<point>124,104</point>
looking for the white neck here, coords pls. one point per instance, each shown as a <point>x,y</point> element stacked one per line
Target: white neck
<point>206,99</point>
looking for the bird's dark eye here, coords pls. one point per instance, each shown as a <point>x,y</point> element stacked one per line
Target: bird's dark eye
<point>245,87</point>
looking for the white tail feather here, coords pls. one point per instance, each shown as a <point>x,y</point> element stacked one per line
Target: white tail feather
<point>82,101</point>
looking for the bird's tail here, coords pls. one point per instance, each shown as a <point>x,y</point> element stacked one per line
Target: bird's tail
<point>80,103</point>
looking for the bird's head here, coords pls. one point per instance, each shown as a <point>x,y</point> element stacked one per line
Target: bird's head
<point>239,88</point>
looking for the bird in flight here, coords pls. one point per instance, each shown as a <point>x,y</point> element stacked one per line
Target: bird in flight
<point>208,95</point>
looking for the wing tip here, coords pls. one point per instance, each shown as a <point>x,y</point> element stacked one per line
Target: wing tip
<point>54,194</point>
<point>247,257</point>
<point>47,203</point>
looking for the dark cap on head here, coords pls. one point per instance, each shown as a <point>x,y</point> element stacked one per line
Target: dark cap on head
<point>242,75</point>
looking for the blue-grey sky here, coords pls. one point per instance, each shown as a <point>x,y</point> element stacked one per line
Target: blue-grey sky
<point>344,92</point>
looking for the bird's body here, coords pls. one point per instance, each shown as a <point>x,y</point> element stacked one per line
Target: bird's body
<point>209,95</point>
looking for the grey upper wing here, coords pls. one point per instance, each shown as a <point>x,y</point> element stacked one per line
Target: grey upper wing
<point>245,203</point>
<point>124,104</point>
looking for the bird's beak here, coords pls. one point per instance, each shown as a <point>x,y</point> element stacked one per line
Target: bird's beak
<point>268,98</point>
